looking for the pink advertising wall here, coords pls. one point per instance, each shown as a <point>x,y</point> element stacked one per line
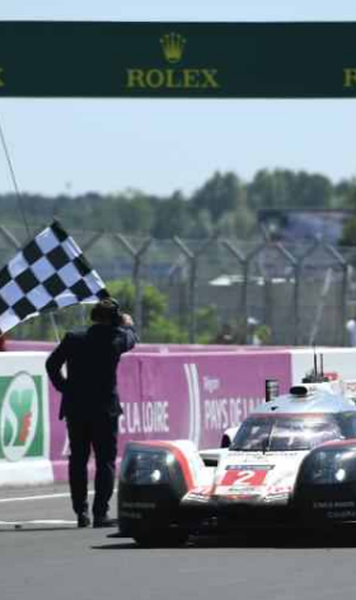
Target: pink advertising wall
<point>182,395</point>
<point>175,392</point>
<point>170,392</point>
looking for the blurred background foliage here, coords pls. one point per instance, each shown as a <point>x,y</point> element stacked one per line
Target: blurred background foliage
<point>224,203</point>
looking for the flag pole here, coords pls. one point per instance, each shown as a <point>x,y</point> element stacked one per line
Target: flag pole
<point>22,210</point>
<point>55,326</point>
<point>14,181</point>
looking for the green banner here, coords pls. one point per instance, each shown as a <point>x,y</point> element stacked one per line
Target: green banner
<point>21,417</point>
<point>177,60</point>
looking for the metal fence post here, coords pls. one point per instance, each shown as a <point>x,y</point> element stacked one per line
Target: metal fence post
<point>294,264</point>
<point>193,264</point>
<point>296,305</point>
<point>136,256</point>
<point>341,262</point>
<point>344,287</point>
<point>241,318</point>
<point>192,287</point>
<point>249,260</point>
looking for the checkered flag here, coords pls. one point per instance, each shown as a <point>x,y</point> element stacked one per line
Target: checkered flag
<point>50,272</point>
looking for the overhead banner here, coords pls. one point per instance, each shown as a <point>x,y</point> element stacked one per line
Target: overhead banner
<point>177,60</point>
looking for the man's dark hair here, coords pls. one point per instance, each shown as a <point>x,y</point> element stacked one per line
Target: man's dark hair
<point>107,311</point>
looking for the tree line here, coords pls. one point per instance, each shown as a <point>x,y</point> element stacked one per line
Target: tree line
<point>224,203</point>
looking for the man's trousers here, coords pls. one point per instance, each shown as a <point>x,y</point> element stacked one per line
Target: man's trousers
<point>99,434</point>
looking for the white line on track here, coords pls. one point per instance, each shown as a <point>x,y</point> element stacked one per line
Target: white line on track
<point>38,522</point>
<point>38,497</point>
<point>41,497</point>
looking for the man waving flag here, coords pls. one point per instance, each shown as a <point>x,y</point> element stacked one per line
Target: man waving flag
<point>50,272</point>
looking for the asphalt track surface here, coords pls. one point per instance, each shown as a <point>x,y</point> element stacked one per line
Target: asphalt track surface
<point>43,556</point>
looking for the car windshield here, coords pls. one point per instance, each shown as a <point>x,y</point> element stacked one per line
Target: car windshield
<point>272,433</point>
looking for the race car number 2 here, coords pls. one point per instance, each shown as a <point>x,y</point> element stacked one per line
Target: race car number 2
<point>253,477</point>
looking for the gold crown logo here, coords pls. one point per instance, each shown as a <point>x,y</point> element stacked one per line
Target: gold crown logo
<point>173,46</point>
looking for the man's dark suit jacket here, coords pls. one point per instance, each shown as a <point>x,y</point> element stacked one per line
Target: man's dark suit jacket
<point>91,358</point>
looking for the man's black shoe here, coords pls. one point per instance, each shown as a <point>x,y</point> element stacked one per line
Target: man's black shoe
<point>83,520</point>
<point>104,522</point>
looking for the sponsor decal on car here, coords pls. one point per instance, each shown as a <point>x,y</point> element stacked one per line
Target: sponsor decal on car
<point>337,509</point>
<point>245,475</point>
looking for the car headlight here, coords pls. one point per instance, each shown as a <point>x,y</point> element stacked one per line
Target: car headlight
<point>329,466</point>
<point>146,467</point>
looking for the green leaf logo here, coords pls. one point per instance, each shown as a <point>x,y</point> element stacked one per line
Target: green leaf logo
<point>20,404</point>
<point>19,416</point>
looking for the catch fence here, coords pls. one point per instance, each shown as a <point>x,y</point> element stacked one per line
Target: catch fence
<point>300,294</point>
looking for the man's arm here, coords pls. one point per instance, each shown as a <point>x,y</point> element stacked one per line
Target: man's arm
<point>54,364</point>
<point>128,336</point>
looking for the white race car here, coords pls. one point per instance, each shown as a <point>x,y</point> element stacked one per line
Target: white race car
<point>291,462</point>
